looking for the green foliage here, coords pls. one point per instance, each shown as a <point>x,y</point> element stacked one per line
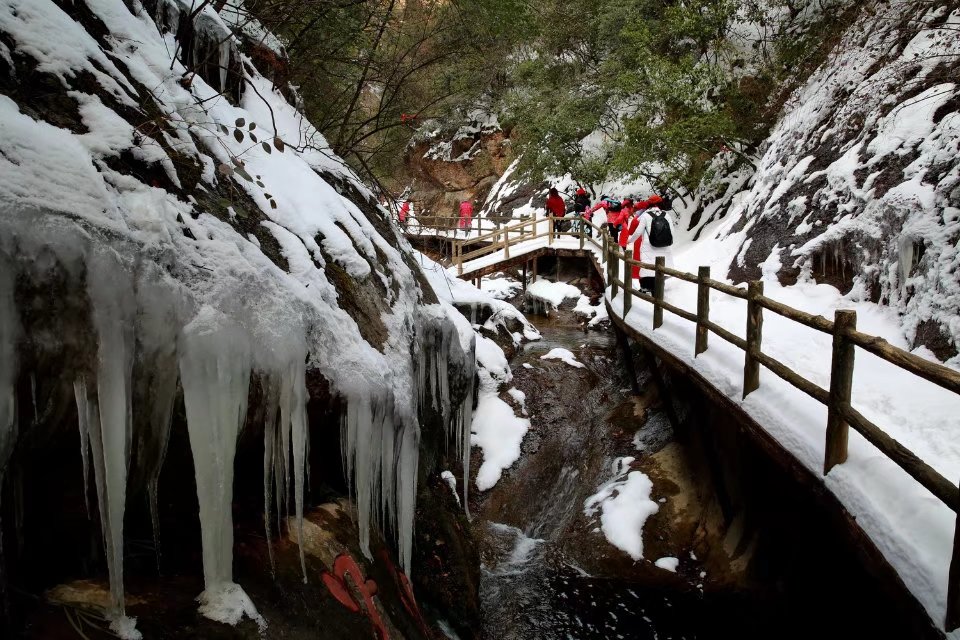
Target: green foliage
<point>665,81</point>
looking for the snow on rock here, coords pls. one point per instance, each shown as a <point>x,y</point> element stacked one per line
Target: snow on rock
<point>501,288</point>
<point>565,355</point>
<point>495,428</point>
<point>499,432</point>
<point>519,397</point>
<point>667,563</point>
<point>624,504</point>
<point>451,481</point>
<point>552,293</point>
<point>597,313</point>
<point>465,296</point>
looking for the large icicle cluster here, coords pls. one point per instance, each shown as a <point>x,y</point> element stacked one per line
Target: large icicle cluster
<point>176,294</point>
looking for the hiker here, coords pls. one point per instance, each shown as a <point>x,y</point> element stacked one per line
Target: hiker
<point>613,209</point>
<point>404,211</point>
<point>655,231</point>
<point>556,208</point>
<point>581,202</point>
<point>630,224</point>
<point>466,215</point>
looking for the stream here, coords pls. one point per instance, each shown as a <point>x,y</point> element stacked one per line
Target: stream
<point>533,585</point>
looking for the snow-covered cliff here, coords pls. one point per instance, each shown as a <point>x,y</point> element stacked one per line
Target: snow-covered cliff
<point>857,184</point>
<point>170,224</point>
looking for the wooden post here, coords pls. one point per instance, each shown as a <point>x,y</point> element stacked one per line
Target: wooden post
<point>458,257</point>
<point>506,242</point>
<point>953,581</point>
<point>658,293</point>
<point>524,281</point>
<point>703,310</point>
<point>751,368</point>
<point>841,381</point>
<point>612,269</point>
<point>627,283</point>
<point>534,270</point>
<point>582,234</point>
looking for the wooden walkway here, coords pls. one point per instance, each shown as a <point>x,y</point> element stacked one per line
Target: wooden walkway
<point>517,244</point>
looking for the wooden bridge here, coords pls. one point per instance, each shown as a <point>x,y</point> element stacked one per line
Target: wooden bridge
<point>520,243</point>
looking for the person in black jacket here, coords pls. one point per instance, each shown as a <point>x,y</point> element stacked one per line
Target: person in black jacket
<point>581,202</point>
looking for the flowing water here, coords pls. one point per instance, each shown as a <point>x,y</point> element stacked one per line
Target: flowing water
<point>532,586</point>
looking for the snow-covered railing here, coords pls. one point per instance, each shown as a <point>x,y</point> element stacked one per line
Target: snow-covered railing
<point>501,239</point>
<point>840,413</point>
<point>442,226</point>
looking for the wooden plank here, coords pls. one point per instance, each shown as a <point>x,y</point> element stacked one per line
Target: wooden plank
<point>627,285</point>
<point>919,470</point>
<point>751,366</point>
<point>677,311</point>
<point>732,338</point>
<point>807,319</point>
<point>658,292</point>
<point>931,371</point>
<point>730,290</point>
<point>841,384</point>
<point>783,371</point>
<point>703,310</point>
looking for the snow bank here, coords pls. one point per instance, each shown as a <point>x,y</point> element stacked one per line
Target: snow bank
<point>667,563</point>
<point>552,292</point>
<point>624,504</point>
<point>565,355</point>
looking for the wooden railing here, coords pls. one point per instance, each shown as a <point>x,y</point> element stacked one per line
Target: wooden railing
<point>841,415</point>
<point>415,226</point>
<point>503,238</point>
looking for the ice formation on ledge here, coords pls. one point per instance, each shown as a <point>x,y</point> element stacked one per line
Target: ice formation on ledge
<point>178,291</point>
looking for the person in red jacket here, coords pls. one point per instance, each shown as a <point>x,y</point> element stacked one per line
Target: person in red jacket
<point>630,225</point>
<point>556,208</point>
<point>404,211</point>
<point>466,215</point>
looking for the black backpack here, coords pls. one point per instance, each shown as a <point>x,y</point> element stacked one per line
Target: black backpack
<point>660,234</point>
<point>614,205</point>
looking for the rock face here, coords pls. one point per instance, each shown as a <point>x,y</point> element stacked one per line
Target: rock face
<point>857,184</point>
<point>207,325</point>
<point>456,162</point>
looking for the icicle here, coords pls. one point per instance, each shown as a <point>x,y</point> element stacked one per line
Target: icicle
<point>408,460</point>
<point>83,423</point>
<point>224,63</point>
<point>270,477</point>
<point>111,295</point>
<point>159,316</point>
<point>161,422</point>
<point>215,363</point>
<point>293,419</point>
<point>9,332</point>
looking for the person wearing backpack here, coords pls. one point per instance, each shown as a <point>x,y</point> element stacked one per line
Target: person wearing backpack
<point>630,224</point>
<point>613,209</point>
<point>655,230</point>
<point>581,202</point>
